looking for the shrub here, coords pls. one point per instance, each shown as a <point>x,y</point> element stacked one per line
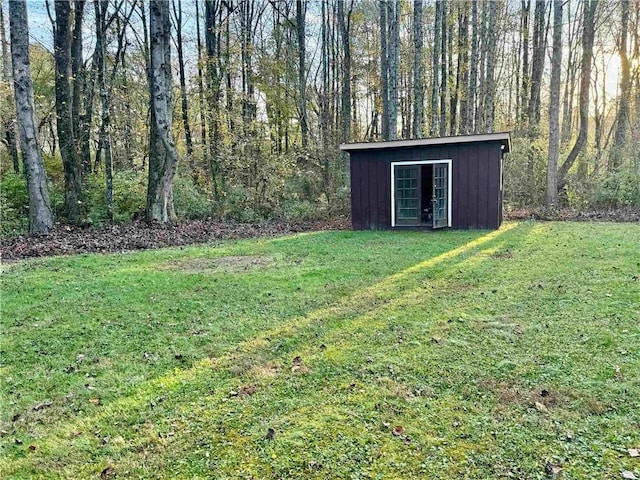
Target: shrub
<point>620,189</point>
<point>189,201</point>
<point>14,205</point>
<point>129,197</point>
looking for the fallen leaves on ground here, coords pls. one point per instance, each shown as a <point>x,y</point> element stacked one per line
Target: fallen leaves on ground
<point>69,240</point>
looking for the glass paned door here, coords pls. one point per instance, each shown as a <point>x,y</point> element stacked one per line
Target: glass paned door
<point>407,194</point>
<point>440,195</point>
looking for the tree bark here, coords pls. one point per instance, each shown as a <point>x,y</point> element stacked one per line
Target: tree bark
<point>9,125</point>
<point>163,158</point>
<point>77,70</point>
<point>40,216</point>
<point>418,81</point>
<point>72,172</point>
<point>554,107</point>
<point>588,33</point>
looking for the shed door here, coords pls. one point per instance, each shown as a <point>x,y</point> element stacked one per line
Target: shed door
<point>407,194</point>
<point>440,198</point>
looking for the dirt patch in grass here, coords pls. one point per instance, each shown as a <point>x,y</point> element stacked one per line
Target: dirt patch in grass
<point>544,398</point>
<point>228,264</point>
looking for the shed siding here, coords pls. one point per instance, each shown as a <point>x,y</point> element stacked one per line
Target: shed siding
<point>475,168</point>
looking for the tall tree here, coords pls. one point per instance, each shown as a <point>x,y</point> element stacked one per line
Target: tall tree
<point>462,78</point>
<point>344,22</point>
<point>443,69</point>
<point>104,141</point>
<point>435,87</point>
<point>526,74</point>
<point>9,127</point>
<point>537,65</point>
<point>163,157</point>
<point>215,74</point>
<point>393,42</point>
<point>77,70</point>
<point>624,106</point>
<point>418,81</point>
<point>554,107</point>
<point>301,10</point>
<point>201,106</point>
<point>384,70</point>
<point>469,127</point>
<point>490,90</point>
<point>177,15</point>
<point>71,165</point>
<point>40,216</point>
<point>588,34</point>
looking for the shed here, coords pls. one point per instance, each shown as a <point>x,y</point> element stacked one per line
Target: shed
<point>428,183</point>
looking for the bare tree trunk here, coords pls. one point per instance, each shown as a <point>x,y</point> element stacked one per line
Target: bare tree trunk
<point>462,81</point>
<point>435,87</point>
<point>537,66</point>
<point>393,20</point>
<point>163,158</point>
<point>588,33</point>
<point>72,172</point>
<point>177,13</point>
<point>105,123</point>
<point>473,76</point>
<point>384,70</point>
<point>554,107</point>
<point>526,76</point>
<point>624,108</point>
<point>301,9</point>
<point>491,39</point>
<point>40,217</point>
<point>77,71</point>
<point>345,104</point>
<point>570,80</point>
<point>418,81</point>
<point>9,125</point>
<point>324,90</point>
<point>482,86</point>
<point>214,79</point>
<point>443,69</point>
<point>203,123</point>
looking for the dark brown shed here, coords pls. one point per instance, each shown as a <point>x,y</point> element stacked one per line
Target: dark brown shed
<point>428,183</point>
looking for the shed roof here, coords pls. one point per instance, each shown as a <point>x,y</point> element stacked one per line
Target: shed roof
<point>503,137</point>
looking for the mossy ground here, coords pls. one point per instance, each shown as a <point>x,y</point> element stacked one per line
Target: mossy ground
<point>508,354</point>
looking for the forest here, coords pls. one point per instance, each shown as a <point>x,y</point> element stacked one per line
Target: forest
<point>112,110</point>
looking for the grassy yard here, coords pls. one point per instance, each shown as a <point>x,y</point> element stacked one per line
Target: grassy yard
<point>510,354</point>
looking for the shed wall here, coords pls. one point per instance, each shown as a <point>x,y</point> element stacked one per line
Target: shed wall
<point>476,177</point>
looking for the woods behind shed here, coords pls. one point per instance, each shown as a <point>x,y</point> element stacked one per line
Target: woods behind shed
<point>428,183</point>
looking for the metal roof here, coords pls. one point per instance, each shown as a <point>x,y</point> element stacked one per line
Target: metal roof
<point>503,137</point>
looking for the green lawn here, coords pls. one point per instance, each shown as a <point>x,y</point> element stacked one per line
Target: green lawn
<point>329,355</point>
